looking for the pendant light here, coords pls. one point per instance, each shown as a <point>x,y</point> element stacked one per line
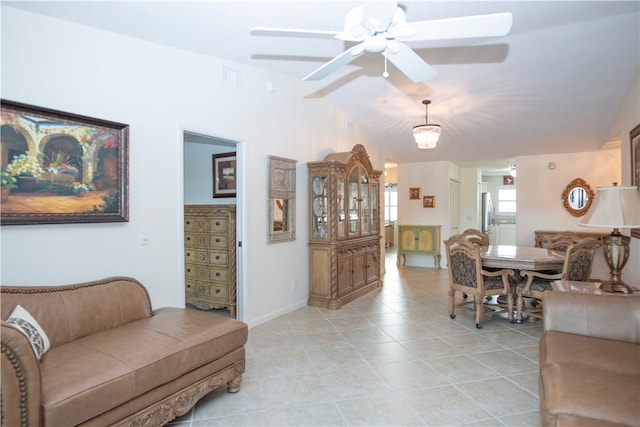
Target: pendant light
<point>426,135</point>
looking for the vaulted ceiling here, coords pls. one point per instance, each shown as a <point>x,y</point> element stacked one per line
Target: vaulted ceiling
<point>553,84</point>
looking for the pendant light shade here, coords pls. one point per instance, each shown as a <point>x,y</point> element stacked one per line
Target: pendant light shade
<point>426,135</point>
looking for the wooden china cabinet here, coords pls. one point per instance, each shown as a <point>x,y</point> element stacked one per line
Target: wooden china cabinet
<point>344,228</point>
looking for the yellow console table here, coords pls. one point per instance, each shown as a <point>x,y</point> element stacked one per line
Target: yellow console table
<point>419,240</point>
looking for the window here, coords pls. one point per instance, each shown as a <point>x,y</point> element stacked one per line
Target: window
<point>391,202</point>
<point>507,200</point>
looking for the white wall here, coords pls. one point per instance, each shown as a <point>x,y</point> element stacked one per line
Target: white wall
<point>540,189</point>
<point>433,179</point>
<point>160,92</point>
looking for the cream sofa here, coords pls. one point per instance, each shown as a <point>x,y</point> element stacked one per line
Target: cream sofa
<point>590,360</point>
<point>113,360</point>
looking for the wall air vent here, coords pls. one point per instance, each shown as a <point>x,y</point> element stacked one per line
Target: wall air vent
<point>230,76</point>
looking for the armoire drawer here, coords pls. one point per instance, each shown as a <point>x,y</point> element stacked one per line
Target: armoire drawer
<point>218,258</point>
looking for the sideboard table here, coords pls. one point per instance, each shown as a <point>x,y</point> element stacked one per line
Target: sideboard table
<point>586,287</point>
<point>541,236</point>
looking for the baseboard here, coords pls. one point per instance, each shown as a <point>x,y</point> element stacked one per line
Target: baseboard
<point>274,314</point>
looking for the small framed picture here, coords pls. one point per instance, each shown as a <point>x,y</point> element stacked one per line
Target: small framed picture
<point>429,202</point>
<point>414,193</point>
<point>224,175</point>
<point>507,180</point>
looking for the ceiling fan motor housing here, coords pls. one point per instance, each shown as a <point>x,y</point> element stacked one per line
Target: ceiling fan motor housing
<point>375,44</point>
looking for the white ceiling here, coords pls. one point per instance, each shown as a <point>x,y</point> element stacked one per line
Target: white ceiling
<point>554,84</point>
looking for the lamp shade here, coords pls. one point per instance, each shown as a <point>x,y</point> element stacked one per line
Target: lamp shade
<point>426,136</point>
<point>614,207</point>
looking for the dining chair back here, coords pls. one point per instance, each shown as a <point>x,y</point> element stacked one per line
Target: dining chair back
<point>476,236</point>
<point>467,276</point>
<point>577,266</point>
<point>579,261</point>
<point>479,238</point>
<point>561,242</point>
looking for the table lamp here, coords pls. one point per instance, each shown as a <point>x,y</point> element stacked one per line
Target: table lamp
<point>615,207</point>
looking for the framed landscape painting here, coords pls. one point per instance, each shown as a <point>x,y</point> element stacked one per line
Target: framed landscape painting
<point>60,167</point>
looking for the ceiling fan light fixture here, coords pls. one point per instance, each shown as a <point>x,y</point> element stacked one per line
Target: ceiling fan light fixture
<point>426,135</point>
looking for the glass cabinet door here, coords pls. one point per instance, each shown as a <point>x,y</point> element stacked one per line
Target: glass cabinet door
<point>365,205</point>
<point>354,203</point>
<point>375,224</point>
<point>342,217</point>
<point>319,211</point>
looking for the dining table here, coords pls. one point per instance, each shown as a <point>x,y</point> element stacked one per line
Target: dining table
<point>522,258</point>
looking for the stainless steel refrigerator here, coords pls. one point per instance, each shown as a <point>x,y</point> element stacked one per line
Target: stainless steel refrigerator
<point>487,212</point>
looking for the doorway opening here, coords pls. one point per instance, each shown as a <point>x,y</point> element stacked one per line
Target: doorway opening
<point>211,225</point>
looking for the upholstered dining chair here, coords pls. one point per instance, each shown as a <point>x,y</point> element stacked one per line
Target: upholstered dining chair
<point>578,262</point>
<point>467,276</point>
<point>558,245</point>
<point>479,238</point>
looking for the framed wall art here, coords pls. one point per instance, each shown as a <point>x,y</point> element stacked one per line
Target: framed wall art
<point>60,167</point>
<point>635,156</point>
<point>281,199</point>
<point>429,202</point>
<point>224,175</point>
<point>414,193</point>
<point>635,166</point>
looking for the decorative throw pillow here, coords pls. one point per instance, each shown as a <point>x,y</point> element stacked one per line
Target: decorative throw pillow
<point>25,323</point>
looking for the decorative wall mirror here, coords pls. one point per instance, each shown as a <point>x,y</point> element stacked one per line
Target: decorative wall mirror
<point>282,199</point>
<point>577,197</point>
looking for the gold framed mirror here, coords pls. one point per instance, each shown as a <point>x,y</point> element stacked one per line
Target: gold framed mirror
<point>577,197</point>
<point>282,199</point>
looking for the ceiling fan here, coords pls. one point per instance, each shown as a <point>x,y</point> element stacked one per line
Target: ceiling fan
<point>382,27</point>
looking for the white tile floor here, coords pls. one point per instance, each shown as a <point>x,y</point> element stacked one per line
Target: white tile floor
<point>390,358</point>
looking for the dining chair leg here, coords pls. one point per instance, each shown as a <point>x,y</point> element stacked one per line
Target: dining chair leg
<point>510,308</point>
<point>452,304</point>
<point>479,309</point>
<point>519,305</point>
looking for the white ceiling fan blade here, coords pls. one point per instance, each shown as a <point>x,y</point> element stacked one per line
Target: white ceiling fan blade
<point>377,15</point>
<point>407,61</point>
<point>350,37</point>
<point>343,59</point>
<point>492,25</point>
<point>293,32</point>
